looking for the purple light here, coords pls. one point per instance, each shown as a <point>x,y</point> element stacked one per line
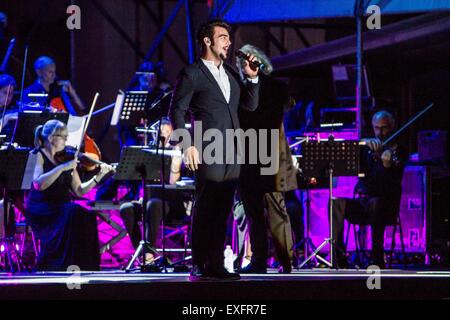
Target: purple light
<point>2,248</point>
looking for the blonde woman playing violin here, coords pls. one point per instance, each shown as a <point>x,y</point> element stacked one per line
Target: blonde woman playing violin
<point>67,231</point>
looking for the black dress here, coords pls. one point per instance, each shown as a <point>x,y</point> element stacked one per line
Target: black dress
<point>67,232</point>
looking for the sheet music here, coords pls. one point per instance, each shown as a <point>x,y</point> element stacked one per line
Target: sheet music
<point>117,108</point>
<point>29,171</point>
<point>75,127</point>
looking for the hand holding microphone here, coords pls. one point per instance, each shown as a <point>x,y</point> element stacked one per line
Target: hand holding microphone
<point>253,63</point>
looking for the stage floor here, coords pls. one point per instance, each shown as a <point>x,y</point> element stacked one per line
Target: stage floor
<point>299,285</point>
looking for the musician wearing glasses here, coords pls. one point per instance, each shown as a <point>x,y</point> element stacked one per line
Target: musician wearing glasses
<point>67,232</point>
<point>377,195</point>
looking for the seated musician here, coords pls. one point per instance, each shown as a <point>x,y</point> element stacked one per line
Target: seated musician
<point>48,83</point>
<point>67,232</point>
<point>130,211</point>
<point>8,118</point>
<point>7,85</point>
<point>148,80</point>
<point>379,191</point>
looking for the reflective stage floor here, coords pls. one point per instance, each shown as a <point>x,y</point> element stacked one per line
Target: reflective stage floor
<point>315,284</point>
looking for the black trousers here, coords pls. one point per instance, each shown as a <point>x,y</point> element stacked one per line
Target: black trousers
<point>130,212</point>
<point>268,210</point>
<point>215,188</point>
<point>374,211</point>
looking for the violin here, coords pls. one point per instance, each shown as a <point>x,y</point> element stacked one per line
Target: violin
<point>89,161</point>
<point>378,155</point>
<point>86,161</point>
<point>388,144</point>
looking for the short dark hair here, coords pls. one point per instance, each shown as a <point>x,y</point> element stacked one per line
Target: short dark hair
<point>207,30</point>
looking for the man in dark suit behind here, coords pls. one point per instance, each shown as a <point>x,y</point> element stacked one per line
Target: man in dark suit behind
<point>263,194</point>
<point>212,92</point>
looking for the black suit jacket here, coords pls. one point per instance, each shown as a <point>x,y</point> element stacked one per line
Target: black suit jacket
<point>274,100</point>
<point>198,93</point>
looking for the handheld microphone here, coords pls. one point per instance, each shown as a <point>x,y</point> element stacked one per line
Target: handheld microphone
<point>253,64</point>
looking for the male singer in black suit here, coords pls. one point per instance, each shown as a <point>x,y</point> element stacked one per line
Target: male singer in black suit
<point>212,92</point>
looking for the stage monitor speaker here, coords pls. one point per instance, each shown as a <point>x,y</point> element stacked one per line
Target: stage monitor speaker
<point>424,210</point>
<point>432,146</point>
<point>438,222</point>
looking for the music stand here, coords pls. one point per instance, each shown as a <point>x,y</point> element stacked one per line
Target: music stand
<point>307,184</point>
<point>329,159</point>
<point>28,121</point>
<point>16,173</point>
<point>137,163</point>
<point>132,107</point>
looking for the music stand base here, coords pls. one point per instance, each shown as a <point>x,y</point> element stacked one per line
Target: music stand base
<point>308,246</point>
<point>315,254</point>
<point>143,267</point>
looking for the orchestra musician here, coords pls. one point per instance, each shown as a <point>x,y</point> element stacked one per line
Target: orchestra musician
<point>131,211</point>
<point>67,232</point>
<point>148,80</point>
<point>48,83</point>
<point>8,118</point>
<point>379,192</point>
<point>8,114</point>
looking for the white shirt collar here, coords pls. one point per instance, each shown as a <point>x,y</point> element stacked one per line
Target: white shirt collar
<point>210,63</point>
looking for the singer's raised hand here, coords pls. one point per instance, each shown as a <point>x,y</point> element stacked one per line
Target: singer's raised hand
<point>250,70</point>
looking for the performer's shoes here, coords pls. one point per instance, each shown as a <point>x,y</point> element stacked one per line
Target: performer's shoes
<point>222,274</point>
<point>198,274</point>
<point>250,268</point>
<point>219,274</point>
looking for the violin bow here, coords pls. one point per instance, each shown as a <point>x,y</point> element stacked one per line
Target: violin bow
<point>89,117</point>
<point>406,125</point>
